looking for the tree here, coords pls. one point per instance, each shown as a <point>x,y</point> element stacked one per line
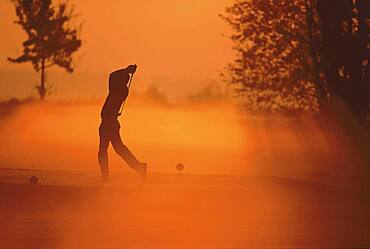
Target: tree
<point>51,39</point>
<point>301,55</point>
<point>339,30</point>
<point>272,70</point>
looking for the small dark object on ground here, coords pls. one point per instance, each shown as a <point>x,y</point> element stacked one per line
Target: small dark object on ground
<point>34,180</point>
<point>180,167</point>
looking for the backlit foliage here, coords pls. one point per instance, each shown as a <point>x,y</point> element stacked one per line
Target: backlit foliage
<point>272,69</point>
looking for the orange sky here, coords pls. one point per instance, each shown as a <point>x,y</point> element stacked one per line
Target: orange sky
<point>178,45</point>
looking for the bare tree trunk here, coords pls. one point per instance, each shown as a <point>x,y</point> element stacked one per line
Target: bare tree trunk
<point>362,76</point>
<point>313,48</point>
<point>41,88</point>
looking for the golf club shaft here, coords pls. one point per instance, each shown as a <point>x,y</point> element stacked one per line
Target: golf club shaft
<point>128,88</point>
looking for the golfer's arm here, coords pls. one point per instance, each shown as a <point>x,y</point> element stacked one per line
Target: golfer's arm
<point>121,75</point>
<point>118,72</point>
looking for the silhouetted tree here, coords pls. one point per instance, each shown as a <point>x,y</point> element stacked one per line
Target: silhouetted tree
<point>51,41</point>
<point>272,69</point>
<point>339,31</point>
<point>301,54</point>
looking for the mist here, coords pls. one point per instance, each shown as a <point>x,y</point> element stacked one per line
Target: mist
<point>213,138</point>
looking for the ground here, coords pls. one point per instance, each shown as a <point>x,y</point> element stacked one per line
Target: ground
<point>74,209</point>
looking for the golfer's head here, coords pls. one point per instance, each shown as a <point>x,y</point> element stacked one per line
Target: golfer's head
<point>132,68</point>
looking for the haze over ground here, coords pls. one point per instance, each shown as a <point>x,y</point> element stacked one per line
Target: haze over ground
<point>248,182</point>
<point>169,40</point>
<point>179,47</point>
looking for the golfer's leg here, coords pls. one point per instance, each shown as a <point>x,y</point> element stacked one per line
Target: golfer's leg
<point>124,152</point>
<point>103,153</point>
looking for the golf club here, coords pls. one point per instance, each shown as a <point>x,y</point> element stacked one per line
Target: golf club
<point>128,88</point>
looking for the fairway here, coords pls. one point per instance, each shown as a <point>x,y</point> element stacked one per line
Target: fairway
<point>177,211</point>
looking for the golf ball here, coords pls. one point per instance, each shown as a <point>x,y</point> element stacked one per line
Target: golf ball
<point>180,166</point>
<point>34,180</point>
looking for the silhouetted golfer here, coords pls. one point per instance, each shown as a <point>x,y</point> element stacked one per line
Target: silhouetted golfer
<point>109,127</point>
